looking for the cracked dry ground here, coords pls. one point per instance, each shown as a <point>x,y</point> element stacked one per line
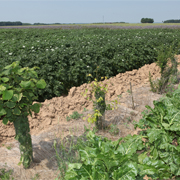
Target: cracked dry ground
<point>50,123</point>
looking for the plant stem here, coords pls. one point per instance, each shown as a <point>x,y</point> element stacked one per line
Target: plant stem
<point>21,125</point>
<point>132,96</point>
<point>101,106</point>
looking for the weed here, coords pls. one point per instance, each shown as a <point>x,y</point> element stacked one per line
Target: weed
<point>129,91</point>
<point>75,115</point>
<point>126,124</point>
<point>36,177</point>
<point>169,74</point>
<point>9,147</point>
<point>119,96</point>
<point>84,110</point>
<point>108,107</point>
<point>129,119</point>
<point>66,153</point>
<point>5,175</point>
<point>114,130</point>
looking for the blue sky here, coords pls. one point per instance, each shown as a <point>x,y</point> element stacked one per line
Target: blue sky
<point>84,11</point>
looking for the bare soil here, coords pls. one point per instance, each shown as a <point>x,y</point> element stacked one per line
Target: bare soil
<point>50,123</point>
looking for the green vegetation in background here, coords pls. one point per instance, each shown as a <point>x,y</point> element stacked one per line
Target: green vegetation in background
<point>169,73</point>
<point>65,57</point>
<point>132,24</point>
<point>147,20</point>
<point>8,23</point>
<point>172,21</point>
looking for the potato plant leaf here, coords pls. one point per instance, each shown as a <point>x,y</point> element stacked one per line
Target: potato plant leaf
<point>5,120</point>
<point>2,112</point>
<point>41,84</point>
<point>36,107</point>
<point>4,79</point>
<point>16,111</point>
<point>7,94</point>
<point>10,104</point>
<point>25,84</point>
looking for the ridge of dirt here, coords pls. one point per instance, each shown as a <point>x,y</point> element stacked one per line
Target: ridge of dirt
<point>60,107</point>
<point>50,122</point>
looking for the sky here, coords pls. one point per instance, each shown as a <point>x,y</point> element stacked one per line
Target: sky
<point>84,11</point>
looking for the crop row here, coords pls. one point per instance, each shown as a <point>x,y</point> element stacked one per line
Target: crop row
<point>66,57</point>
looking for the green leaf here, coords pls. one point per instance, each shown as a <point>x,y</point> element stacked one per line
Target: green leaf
<point>4,79</point>
<point>9,113</point>
<point>36,107</point>
<point>7,94</point>
<point>127,171</point>
<point>131,145</point>
<point>2,112</point>
<point>154,134</point>
<point>175,127</point>
<point>25,84</point>
<point>155,153</point>
<point>166,126</point>
<point>2,88</point>
<point>5,120</point>
<point>41,84</point>
<point>71,173</point>
<point>10,104</point>
<point>7,72</point>
<point>16,111</point>
<point>17,97</point>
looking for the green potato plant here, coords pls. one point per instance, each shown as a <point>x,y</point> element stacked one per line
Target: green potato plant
<point>18,90</point>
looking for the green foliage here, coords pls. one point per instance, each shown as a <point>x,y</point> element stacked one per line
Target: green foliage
<point>172,21</point>
<point>8,23</point>
<point>147,20</point>
<point>5,175</point>
<point>65,57</point>
<point>99,105</point>
<point>108,107</point>
<point>67,152</point>
<point>36,177</point>
<point>84,110</point>
<point>168,72</point>
<point>114,130</point>
<point>75,115</point>
<point>154,152</point>
<point>18,90</point>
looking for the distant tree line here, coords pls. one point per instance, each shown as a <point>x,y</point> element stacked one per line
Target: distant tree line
<point>26,24</point>
<point>8,23</point>
<point>44,23</point>
<point>147,20</point>
<point>172,21</point>
<point>40,24</point>
<point>18,23</point>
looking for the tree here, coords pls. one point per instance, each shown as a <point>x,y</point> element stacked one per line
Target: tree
<point>8,23</point>
<point>172,21</point>
<point>147,20</point>
<point>18,90</point>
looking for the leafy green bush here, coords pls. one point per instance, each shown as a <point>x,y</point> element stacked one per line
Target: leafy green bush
<point>114,130</point>
<point>168,72</point>
<point>75,115</point>
<point>18,90</point>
